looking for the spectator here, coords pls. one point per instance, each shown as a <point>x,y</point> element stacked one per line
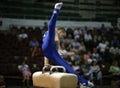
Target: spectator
<point>96,71</point>
<point>33,43</point>
<point>45,27</point>
<point>76,66</point>
<point>87,58</point>
<point>103,29</point>
<point>115,41</point>
<point>70,31</point>
<point>114,68</point>
<point>102,47</point>
<point>22,35</point>
<point>86,71</point>
<point>87,36</point>
<point>88,40</point>
<point>77,34</point>
<point>96,56</point>
<point>2,82</point>
<point>37,52</point>
<point>24,68</point>
<point>75,44</point>
<point>77,57</point>
<point>114,51</point>
<point>68,39</point>
<point>82,47</point>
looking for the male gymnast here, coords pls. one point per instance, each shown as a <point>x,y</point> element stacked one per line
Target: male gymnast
<point>49,46</point>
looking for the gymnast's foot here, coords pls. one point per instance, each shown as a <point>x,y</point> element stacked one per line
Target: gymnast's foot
<point>90,84</point>
<point>58,5</point>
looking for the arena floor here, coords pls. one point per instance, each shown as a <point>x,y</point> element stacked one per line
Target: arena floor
<point>81,87</point>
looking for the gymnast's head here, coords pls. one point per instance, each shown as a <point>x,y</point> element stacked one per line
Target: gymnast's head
<point>60,32</point>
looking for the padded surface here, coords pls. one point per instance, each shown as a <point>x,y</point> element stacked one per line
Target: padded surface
<point>55,80</point>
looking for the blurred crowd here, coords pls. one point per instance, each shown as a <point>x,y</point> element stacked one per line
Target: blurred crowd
<point>97,50</point>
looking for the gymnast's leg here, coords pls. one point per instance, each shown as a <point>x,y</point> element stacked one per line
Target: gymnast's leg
<point>49,39</point>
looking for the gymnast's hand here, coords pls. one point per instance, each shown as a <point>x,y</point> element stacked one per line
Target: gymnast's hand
<point>58,5</point>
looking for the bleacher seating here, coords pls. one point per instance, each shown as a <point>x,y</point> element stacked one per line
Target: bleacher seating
<point>35,11</point>
<point>70,11</point>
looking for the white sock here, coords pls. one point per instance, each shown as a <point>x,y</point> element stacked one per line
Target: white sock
<point>58,5</point>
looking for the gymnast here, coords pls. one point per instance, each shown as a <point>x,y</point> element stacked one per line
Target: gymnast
<point>49,46</point>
